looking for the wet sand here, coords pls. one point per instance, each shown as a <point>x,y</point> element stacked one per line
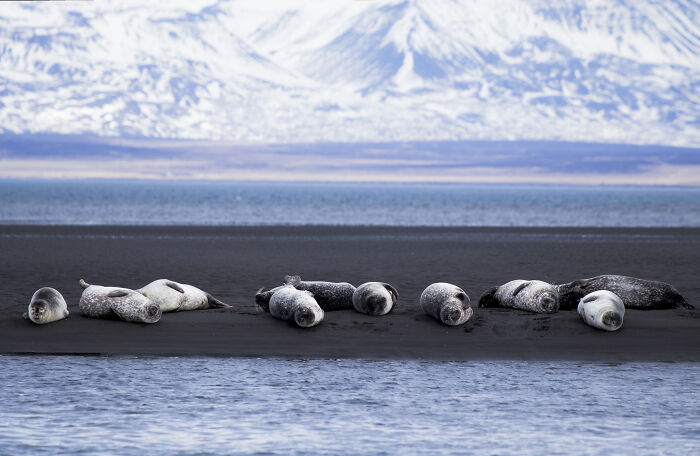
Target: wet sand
<point>233,262</point>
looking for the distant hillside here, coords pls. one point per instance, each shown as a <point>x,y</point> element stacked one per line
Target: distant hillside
<point>297,71</point>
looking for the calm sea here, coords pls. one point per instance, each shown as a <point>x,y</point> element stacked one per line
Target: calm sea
<point>257,203</point>
<point>211,406</point>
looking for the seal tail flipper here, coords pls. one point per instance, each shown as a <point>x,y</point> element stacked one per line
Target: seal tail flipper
<point>215,303</point>
<point>488,299</point>
<point>83,283</point>
<point>685,304</point>
<point>293,280</point>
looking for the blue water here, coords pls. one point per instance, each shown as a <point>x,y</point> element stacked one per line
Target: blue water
<point>178,406</point>
<point>250,203</point>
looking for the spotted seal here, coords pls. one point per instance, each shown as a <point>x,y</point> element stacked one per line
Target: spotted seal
<point>47,305</point>
<point>299,306</point>
<point>602,309</point>
<point>114,302</point>
<point>177,297</point>
<point>446,302</point>
<point>329,295</point>
<point>635,293</point>
<point>374,298</point>
<point>530,295</point>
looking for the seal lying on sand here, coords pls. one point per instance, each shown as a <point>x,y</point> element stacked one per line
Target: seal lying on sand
<point>47,305</point>
<point>114,302</point>
<point>329,295</point>
<point>374,298</point>
<point>530,295</point>
<point>446,302</point>
<point>290,304</point>
<point>602,309</point>
<point>635,293</point>
<point>176,297</point>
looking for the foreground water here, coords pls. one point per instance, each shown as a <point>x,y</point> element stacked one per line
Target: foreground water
<point>249,203</point>
<point>134,406</point>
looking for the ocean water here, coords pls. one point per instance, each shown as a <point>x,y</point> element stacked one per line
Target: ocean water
<point>212,406</point>
<point>89,202</point>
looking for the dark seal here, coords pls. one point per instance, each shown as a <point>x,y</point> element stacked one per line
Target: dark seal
<point>635,293</point>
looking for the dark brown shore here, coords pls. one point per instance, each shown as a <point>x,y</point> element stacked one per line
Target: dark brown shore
<point>233,262</point>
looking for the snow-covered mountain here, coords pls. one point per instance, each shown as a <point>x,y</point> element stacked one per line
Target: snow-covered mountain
<point>298,71</point>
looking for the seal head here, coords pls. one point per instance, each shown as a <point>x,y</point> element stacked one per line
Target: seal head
<point>447,303</point>
<point>375,298</point>
<point>47,305</point>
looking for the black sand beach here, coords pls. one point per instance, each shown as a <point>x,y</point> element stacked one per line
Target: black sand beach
<point>233,262</point>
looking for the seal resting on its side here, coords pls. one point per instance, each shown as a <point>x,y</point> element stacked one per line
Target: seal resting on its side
<point>299,306</point>
<point>47,305</point>
<point>635,293</point>
<point>446,302</point>
<point>262,298</point>
<point>374,298</point>
<point>530,295</point>
<point>329,295</point>
<point>176,297</point>
<point>602,309</point>
<point>115,302</point>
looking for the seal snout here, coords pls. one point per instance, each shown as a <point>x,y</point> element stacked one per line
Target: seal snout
<point>612,320</point>
<point>549,302</point>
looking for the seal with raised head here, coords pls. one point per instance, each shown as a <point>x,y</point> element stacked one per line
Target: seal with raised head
<point>299,306</point>
<point>329,295</point>
<point>635,293</point>
<point>176,297</point>
<point>114,302</point>
<point>47,305</point>
<point>446,302</point>
<point>374,298</point>
<point>602,309</point>
<point>530,295</point>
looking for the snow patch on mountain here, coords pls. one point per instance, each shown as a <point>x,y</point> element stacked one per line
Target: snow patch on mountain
<point>307,71</point>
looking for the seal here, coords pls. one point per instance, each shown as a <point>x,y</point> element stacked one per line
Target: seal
<point>299,306</point>
<point>329,295</point>
<point>602,309</point>
<point>635,293</point>
<point>446,302</point>
<point>530,295</point>
<point>121,303</point>
<point>374,298</point>
<point>47,305</point>
<point>176,297</point>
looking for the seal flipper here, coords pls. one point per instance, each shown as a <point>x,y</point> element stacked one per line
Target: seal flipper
<point>174,286</point>
<point>215,303</point>
<point>392,290</point>
<point>520,288</point>
<point>83,283</point>
<point>117,293</point>
<point>488,298</point>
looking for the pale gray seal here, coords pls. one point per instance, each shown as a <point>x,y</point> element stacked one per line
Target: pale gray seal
<point>374,298</point>
<point>176,297</point>
<point>114,302</point>
<point>446,302</point>
<point>635,293</point>
<point>602,309</point>
<point>329,295</point>
<point>299,306</point>
<point>530,295</point>
<point>47,305</point>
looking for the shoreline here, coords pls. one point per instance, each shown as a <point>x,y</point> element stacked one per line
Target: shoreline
<point>233,262</point>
